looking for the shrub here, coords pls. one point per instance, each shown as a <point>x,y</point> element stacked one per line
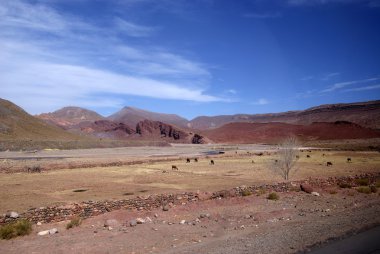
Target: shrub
<point>373,189</point>
<point>273,196</point>
<point>333,192</point>
<point>75,222</point>
<point>377,184</point>
<point>14,229</point>
<point>364,189</point>
<point>362,181</point>
<point>344,185</point>
<point>246,193</point>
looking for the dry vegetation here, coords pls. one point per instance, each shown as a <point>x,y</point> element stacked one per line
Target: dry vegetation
<point>21,191</point>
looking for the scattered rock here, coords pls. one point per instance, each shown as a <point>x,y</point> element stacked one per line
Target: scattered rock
<point>182,222</point>
<point>133,223</point>
<point>39,223</point>
<point>13,215</point>
<point>204,215</point>
<point>315,193</point>
<point>306,188</point>
<point>111,223</point>
<point>140,221</point>
<point>45,232</point>
<point>165,208</point>
<point>53,231</point>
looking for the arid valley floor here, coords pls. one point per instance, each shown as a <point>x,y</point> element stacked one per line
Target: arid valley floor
<point>220,208</point>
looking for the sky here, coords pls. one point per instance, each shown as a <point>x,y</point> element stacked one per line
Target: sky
<point>191,58</point>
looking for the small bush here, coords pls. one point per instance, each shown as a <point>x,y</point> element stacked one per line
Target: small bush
<point>246,193</point>
<point>377,184</point>
<point>333,192</point>
<point>344,185</point>
<point>75,222</point>
<point>373,189</point>
<point>261,191</point>
<point>362,181</point>
<point>273,196</point>
<point>364,189</point>
<point>18,228</point>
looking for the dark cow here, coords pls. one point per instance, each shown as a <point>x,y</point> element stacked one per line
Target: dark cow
<point>196,160</point>
<point>307,156</point>
<point>297,156</point>
<point>174,167</point>
<point>187,160</point>
<point>212,162</point>
<point>329,163</point>
<point>348,160</point>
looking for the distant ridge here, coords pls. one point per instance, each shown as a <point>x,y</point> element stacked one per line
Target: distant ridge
<point>366,114</point>
<point>131,116</point>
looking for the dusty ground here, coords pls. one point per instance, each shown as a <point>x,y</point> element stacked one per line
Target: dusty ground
<point>295,222</point>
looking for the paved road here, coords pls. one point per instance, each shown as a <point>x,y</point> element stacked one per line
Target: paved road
<point>367,242</point>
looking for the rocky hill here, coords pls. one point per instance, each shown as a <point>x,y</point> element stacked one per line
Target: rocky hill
<point>158,130</point>
<point>70,116</point>
<point>275,132</point>
<point>366,114</point>
<point>131,116</point>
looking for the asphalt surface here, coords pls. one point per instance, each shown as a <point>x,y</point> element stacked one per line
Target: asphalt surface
<point>367,242</point>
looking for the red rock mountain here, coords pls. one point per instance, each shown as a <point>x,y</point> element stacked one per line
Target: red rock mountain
<point>70,116</point>
<point>104,129</point>
<point>131,116</point>
<point>366,114</point>
<point>275,132</point>
<point>155,129</point>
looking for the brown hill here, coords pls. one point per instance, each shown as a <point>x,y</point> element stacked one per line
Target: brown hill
<point>104,129</point>
<point>70,116</point>
<point>131,116</point>
<point>16,124</point>
<point>275,132</point>
<point>366,114</point>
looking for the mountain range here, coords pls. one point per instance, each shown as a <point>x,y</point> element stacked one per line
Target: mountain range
<point>326,122</point>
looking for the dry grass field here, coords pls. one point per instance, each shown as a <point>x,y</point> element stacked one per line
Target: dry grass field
<point>21,191</point>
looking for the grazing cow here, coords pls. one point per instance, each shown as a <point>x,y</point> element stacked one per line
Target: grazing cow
<point>329,163</point>
<point>307,156</point>
<point>196,160</point>
<point>253,161</point>
<point>174,167</point>
<point>34,169</point>
<point>323,155</point>
<point>212,162</point>
<point>187,160</point>
<point>275,161</point>
<point>297,156</point>
<point>348,160</point>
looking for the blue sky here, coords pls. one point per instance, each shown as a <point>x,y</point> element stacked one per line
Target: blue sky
<point>201,57</point>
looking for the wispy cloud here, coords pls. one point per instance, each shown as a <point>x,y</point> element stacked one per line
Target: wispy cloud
<point>133,29</point>
<point>341,85</point>
<point>372,87</point>
<point>328,76</point>
<point>231,91</point>
<point>261,101</point>
<point>307,78</point>
<point>58,59</point>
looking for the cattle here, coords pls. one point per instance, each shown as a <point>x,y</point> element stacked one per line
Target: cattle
<point>212,162</point>
<point>34,169</point>
<point>348,160</point>
<point>323,155</point>
<point>174,167</point>
<point>329,163</point>
<point>187,160</point>
<point>253,161</point>
<point>297,156</point>
<point>196,160</point>
<point>307,156</point>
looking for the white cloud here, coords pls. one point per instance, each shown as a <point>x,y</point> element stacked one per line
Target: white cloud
<point>341,85</point>
<point>261,101</point>
<point>231,91</point>
<point>60,60</point>
<point>133,29</point>
<point>328,76</point>
<point>372,87</point>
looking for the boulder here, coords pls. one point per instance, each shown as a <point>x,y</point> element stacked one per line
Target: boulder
<point>306,188</point>
<point>140,221</point>
<point>13,215</point>
<point>133,223</point>
<point>53,231</point>
<point>45,232</point>
<point>111,223</point>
